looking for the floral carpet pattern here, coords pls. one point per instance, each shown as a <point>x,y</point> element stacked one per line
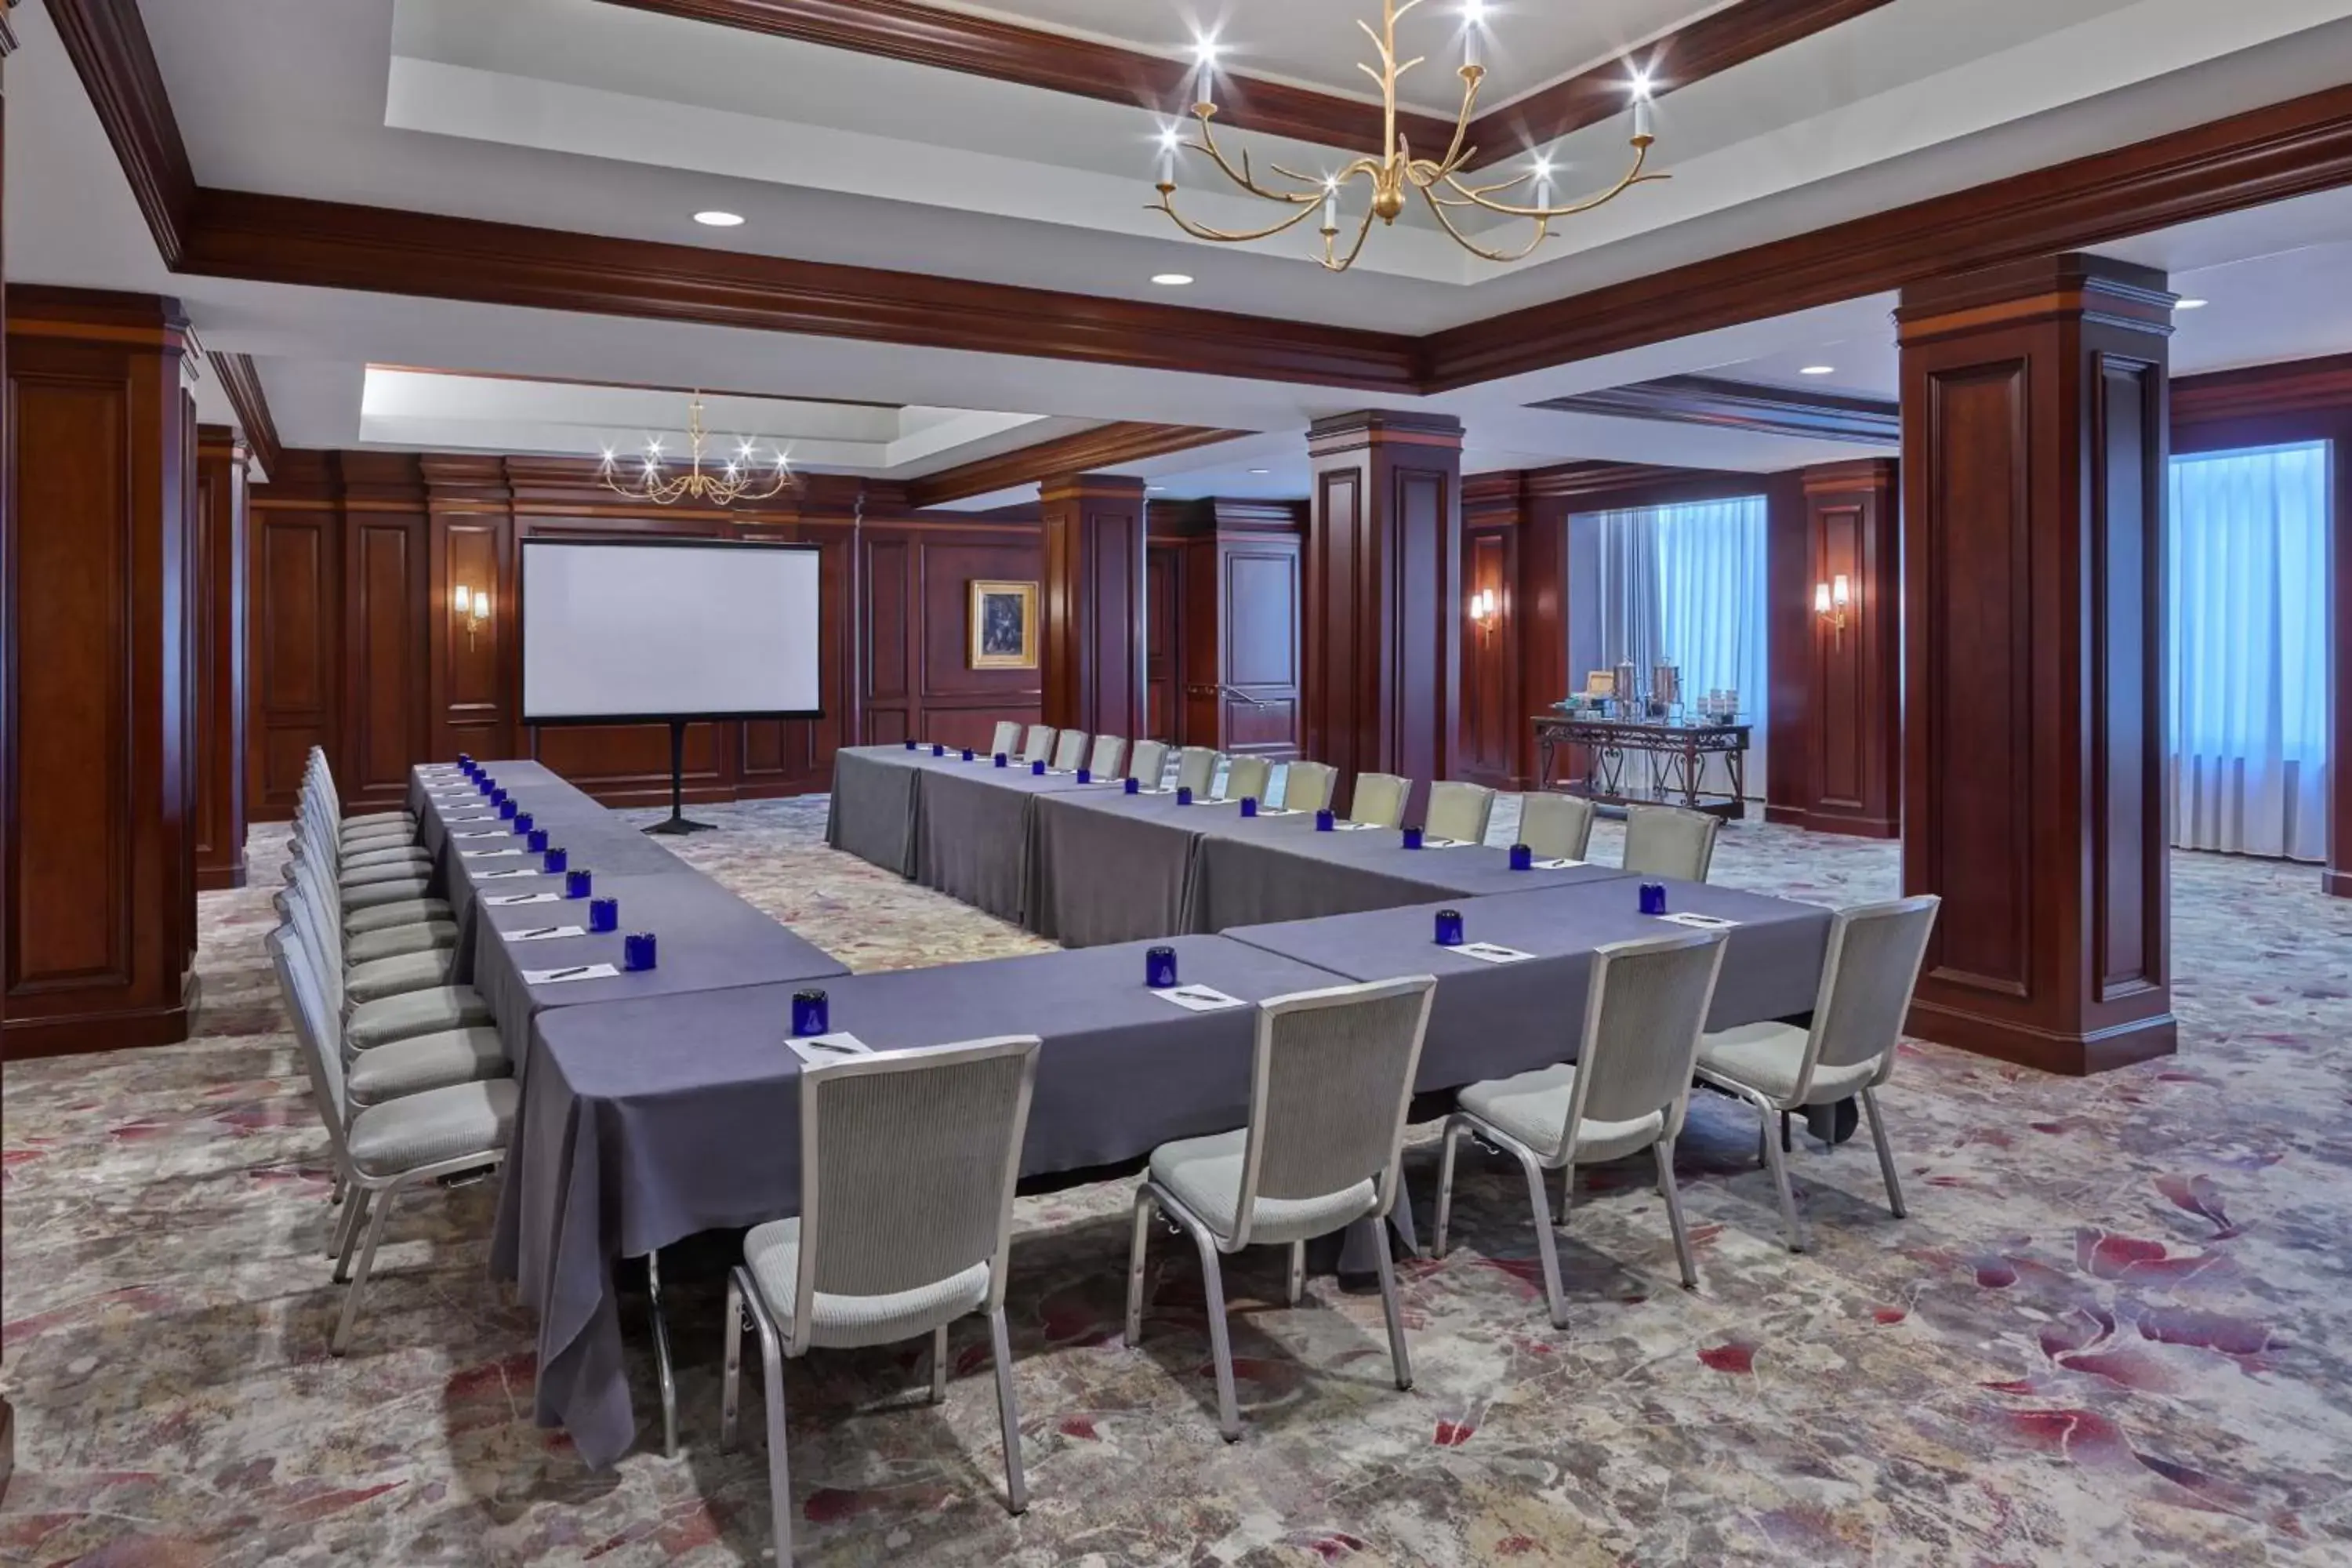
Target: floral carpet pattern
<point>2117,1328</point>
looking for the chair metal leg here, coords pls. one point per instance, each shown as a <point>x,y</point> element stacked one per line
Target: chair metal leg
<point>1665,1150</point>
<point>1886,1151</point>
<point>1546,1247</point>
<point>1390,1306</point>
<point>358,1286</point>
<point>355,1215</point>
<point>1008,1412</point>
<point>664,1371</point>
<point>940,1364</point>
<point>1779,1165</point>
<point>1145,1207</point>
<point>1454,1130</point>
<point>1787,1146</point>
<point>730,1382</point>
<point>1298,1270</point>
<point>1212,1281</point>
<point>780,1473</point>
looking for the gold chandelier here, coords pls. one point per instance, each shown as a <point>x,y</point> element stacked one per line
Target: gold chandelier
<point>1437,180</point>
<point>743,479</point>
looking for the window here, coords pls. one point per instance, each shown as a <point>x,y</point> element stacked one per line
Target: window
<point>2248,599</point>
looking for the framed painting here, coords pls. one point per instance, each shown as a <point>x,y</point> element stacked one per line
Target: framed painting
<point>1004,625</point>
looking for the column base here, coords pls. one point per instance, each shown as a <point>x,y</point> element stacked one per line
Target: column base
<point>8,1446</point>
<point>89,1032</point>
<point>2335,884</point>
<point>220,879</point>
<point>1822,822</point>
<point>2066,1054</point>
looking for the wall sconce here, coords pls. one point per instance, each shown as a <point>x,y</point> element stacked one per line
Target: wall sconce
<point>1829,601</point>
<point>1484,607</point>
<point>473,607</point>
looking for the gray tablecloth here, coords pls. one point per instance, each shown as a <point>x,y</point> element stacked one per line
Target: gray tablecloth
<point>1290,872</point>
<point>875,799</point>
<point>1490,1021</point>
<point>708,940</point>
<point>1109,867</point>
<point>644,1122</point>
<point>972,827</point>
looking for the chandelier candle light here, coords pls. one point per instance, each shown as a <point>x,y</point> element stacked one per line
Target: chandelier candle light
<point>1438,181</point>
<point>743,479</point>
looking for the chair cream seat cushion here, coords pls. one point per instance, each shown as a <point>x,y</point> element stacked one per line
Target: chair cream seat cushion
<point>381,977</point>
<point>394,940</point>
<point>407,888</point>
<point>425,1063</point>
<point>1767,1058</point>
<point>414,1013</point>
<point>378,818</point>
<point>375,831</point>
<point>1533,1109</point>
<point>772,1252</point>
<point>352,879</point>
<point>1204,1175</point>
<point>432,1128</point>
<point>390,916</point>
<point>394,854</point>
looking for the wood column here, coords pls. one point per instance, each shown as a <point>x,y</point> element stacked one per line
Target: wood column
<point>1837,708</point>
<point>1385,598</point>
<point>1093,648</point>
<point>100,847</point>
<point>7,650</point>
<point>2034,483</point>
<point>218,591</point>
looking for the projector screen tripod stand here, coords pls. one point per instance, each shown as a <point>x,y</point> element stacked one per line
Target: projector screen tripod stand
<point>677,825</point>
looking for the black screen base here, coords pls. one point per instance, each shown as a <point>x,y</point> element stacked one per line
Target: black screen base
<point>678,827</point>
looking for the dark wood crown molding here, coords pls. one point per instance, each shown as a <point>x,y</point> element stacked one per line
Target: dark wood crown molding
<point>242,381</point>
<point>1727,404</point>
<point>1106,447</point>
<point>107,41</point>
<point>2264,391</point>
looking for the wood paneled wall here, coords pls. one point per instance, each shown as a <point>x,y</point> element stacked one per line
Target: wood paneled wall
<point>355,559</point>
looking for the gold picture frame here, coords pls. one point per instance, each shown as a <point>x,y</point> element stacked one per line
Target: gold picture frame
<point>1004,617</point>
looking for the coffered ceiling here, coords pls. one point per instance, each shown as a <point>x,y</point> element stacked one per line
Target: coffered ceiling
<point>912,183</point>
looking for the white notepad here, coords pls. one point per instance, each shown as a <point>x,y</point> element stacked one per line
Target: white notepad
<point>454,821</point>
<point>486,833</point>
<point>489,854</point>
<point>544,933</point>
<point>518,871</point>
<point>818,1049</point>
<point>1446,844</point>
<point>1357,828</point>
<point>1560,865</point>
<point>1698,922</point>
<point>1200,998</point>
<point>508,901</point>
<point>1489,952</point>
<point>566,976</point>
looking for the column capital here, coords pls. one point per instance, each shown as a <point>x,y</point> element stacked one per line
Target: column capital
<point>2076,284</point>
<point>1090,486</point>
<point>1383,427</point>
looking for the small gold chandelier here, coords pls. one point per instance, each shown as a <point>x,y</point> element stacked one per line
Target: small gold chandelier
<point>1437,180</point>
<point>744,477</point>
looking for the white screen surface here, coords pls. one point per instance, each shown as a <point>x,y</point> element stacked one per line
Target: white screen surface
<point>668,630</point>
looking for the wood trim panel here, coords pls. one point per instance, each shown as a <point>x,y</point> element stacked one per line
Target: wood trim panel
<point>242,381</point>
<point>1850,729</point>
<point>1088,451</point>
<point>1725,405</point>
<point>107,41</point>
<point>2307,386</point>
<point>217,597</point>
<point>1093,604</point>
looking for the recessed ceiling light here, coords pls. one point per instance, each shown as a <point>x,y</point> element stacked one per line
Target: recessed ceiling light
<point>715,219</point>
<point>1154,489</point>
<point>1172,280</point>
<point>2190,304</point>
<point>1260,471</point>
<point>1818,370</point>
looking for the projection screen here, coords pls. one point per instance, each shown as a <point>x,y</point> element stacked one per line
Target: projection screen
<point>641,630</point>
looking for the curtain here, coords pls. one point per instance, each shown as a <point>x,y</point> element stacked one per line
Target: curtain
<point>1686,584</point>
<point>2248,592</point>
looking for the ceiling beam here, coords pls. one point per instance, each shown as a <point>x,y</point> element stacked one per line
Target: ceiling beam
<point>2264,391</point>
<point>1726,404</point>
<point>1087,451</point>
<point>107,41</point>
<point>242,381</point>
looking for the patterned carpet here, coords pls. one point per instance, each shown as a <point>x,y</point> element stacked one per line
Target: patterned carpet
<point>2117,1327</point>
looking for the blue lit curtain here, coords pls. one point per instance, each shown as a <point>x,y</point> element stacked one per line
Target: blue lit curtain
<point>2249,633</point>
<point>1688,585</point>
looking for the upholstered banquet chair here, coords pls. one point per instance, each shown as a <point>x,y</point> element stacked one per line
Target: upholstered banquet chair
<point>1070,752</point>
<point>1330,1089</point>
<point>1667,841</point>
<point>1108,753</point>
<point>1459,811</point>
<point>1148,766</point>
<point>1626,1091</point>
<point>1307,786</point>
<point>1380,800</point>
<point>1875,954</point>
<point>1196,769</point>
<point>1007,742</point>
<point>887,1247</point>
<point>1247,778</point>
<point>1040,745</point>
<point>1556,826</point>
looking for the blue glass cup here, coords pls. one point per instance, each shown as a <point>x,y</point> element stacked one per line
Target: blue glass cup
<point>509,810</point>
<point>1037,768</point>
<point>1412,837</point>
<point>557,860</point>
<point>535,840</point>
<point>812,1014</point>
<point>579,884</point>
<point>1327,821</point>
<point>1086,775</point>
<point>1523,858</point>
<point>1184,794</point>
<point>1002,760</point>
<point>1159,968</point>
<point>910,742</point>
<point>604,914</point>
<point>1449,928</point>
<point>937,750</point>
<point>501,797</point>
<point>1134,787</point>
<point>1654,898</point>
<point>524,822</point>
<point>465,760</point>
<point>967,753</point>
<point>1249,805</point>
<point>485,782</point>
<point>637,952</point>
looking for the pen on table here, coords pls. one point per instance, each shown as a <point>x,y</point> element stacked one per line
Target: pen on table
<point>565,973</point>
<point>527,935</point>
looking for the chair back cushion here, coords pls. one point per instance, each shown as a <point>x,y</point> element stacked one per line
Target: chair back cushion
<point>1556,826</point>
<point>1459,811</point>
<point>315,1032</point>
<point>1109,752</point>
<point>1874,961</point>
<point>1380,800</point>
<point>1647,1004</point>
<point>1307,786</point>
<point>1150,763</point>
<point>1007,741</point>
<point>1248,778</point>
<point>1196,769</point>
<point>1667,841</point>
<point>1041,744</point>
<point>1070,752</point>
